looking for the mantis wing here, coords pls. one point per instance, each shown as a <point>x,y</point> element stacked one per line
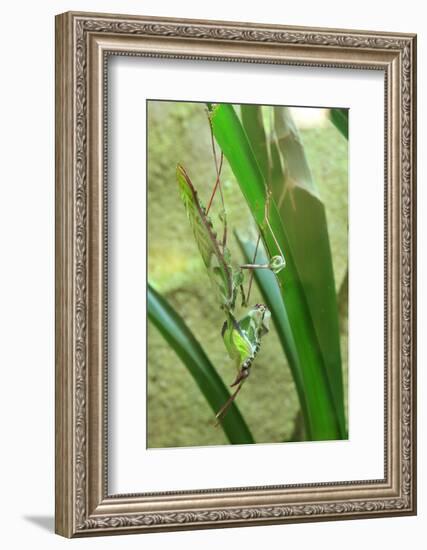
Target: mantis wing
<point>214,257</point>
<point>237,342</point>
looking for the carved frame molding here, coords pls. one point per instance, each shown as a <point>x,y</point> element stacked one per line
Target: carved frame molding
<point>83,43</point>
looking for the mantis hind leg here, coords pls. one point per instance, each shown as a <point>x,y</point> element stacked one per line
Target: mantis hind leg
<point>243,373</point>
<point>223,410</point>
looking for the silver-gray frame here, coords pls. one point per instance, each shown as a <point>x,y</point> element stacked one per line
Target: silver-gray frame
<point>83,43</point>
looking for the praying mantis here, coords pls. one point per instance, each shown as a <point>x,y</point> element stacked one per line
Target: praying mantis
<point>242,338</point>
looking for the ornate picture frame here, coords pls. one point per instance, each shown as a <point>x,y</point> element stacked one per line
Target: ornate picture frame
<point>84,42</point>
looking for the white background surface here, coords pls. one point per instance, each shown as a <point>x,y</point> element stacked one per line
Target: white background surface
<point>27,276</point>
<point>131,81</point>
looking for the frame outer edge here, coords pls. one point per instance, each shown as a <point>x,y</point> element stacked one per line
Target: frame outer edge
<point>249,25</point>
<point>64,276</point>
<point>413,260</point>
<point>415,266</point>
<point>74,508</point>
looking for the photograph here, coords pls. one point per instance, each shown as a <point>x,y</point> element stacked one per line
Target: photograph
<point>247,270</point>
<point>235,273</point>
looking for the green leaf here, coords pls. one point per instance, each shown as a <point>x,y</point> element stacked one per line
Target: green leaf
<point>339,118</point>
<point>304,216</point>
<point>254,126</point>
<point>180,338</point>
<point>294,171</point>
<point>324,413</point>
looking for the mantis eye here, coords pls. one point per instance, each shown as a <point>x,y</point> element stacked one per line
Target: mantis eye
<point>277,263</point>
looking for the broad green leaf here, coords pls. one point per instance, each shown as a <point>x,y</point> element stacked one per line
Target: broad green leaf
<point>324,418</point>
<point>304,216</point>
<point>192,355</point>
<point>254,127</point>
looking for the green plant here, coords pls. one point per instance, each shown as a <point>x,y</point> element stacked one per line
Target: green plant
<point>298,223</point>
<point>266,156</point>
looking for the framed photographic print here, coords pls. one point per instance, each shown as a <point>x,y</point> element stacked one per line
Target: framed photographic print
<point>235,274</point>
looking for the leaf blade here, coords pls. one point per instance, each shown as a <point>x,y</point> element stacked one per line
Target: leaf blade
<point>324,419</point>
<point>306,225</point>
